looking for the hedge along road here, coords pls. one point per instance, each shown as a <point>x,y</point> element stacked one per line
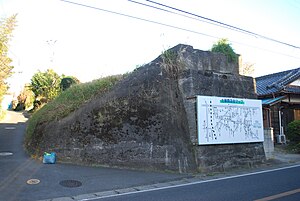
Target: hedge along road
<point>22,178</point>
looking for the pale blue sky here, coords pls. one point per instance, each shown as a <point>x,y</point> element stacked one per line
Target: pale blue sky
<point>92,43</point>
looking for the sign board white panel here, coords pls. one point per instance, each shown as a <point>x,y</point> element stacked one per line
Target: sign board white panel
<point>224,120</point>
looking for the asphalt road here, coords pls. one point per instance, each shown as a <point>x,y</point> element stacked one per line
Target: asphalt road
<point>279,185</point>
<point>17,168</point>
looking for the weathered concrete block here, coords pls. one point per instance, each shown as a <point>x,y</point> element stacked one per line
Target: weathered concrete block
<point>228,156</point>
<point>193,59</point>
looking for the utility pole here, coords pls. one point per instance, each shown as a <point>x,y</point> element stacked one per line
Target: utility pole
<point>51,44</point>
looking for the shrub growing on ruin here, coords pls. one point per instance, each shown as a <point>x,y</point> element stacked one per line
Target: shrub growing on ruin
<point>224,47</point>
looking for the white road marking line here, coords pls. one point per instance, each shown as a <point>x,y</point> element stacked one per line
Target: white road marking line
<point>280,195</point>
<point>6,153</point>
<point>10,128</point>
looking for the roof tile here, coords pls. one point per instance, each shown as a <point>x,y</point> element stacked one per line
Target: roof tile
<point>277,82</point>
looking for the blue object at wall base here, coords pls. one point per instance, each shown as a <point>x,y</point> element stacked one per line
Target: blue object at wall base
<point>49,158</point>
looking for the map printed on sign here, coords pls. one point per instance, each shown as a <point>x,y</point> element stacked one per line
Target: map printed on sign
<point>224,120</point>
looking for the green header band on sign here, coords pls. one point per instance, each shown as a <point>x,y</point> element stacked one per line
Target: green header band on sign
<point>232,101</point>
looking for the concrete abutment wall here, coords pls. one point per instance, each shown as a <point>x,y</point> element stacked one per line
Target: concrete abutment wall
<point>220,79</point>
<point>148,120</point>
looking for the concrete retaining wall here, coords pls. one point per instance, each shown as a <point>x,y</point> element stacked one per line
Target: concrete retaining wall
<point>148,120</point>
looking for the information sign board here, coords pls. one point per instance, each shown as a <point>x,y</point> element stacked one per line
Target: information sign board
<point>223,120</point>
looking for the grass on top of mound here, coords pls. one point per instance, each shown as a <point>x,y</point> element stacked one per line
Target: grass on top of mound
<point>69,101</point>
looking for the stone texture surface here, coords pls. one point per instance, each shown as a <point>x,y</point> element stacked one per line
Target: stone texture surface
<point>148,119</point>
<point>228,156</point>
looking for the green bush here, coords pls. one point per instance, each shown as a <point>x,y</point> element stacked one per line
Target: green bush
<point>68,101</point>
<point>67,82</point>
<point>293,134</point>
<point>224,47</point>
<point>45,84</point>
<point>293,131</point>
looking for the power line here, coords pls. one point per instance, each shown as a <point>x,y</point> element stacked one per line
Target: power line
<point>266,50</point>
<point>171,26</point>
<point>172,12</point>
<point>176,13</point>
<point>138,18</point>
<point>226,25</point>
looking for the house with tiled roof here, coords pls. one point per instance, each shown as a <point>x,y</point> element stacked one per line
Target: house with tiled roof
<point>280,95</point>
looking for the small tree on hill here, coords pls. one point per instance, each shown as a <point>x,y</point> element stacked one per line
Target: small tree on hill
<point>67,82</point>
<point>224,47</point>
<point>45,85</point>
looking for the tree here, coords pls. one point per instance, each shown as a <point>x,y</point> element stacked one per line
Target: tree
<point>45,85</point>
<point>224,47</point>
<point>25,99</point>
<point>67,82</point>
<point>6,28</point>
